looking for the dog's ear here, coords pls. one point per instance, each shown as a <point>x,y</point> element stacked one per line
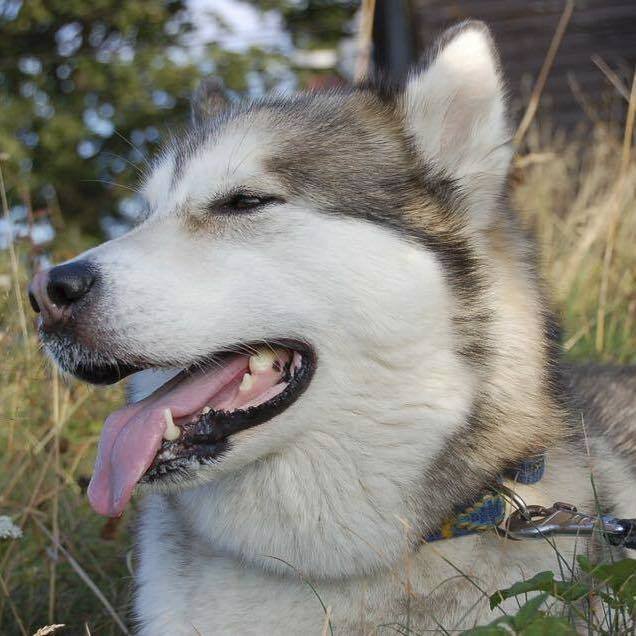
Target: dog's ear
<point>209,100</point>
<point>455,109</point>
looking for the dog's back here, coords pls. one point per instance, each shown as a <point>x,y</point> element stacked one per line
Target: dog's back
<point>606,396</point>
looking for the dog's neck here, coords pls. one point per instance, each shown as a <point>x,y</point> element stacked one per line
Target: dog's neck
<point>342,497</point>
<point>346,504</point>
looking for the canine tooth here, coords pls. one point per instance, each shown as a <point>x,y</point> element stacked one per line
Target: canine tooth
<point>262,361</point>
<point>206,410</point>
<point>246,383</point>
<point>172,431</point>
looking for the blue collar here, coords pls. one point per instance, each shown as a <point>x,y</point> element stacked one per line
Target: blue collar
<point>528,471</point>
<point>489,510</point>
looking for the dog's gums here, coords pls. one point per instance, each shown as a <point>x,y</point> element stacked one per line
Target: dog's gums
<point>189,419</point>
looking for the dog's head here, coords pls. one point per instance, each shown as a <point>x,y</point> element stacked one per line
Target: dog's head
<point>309,269</point>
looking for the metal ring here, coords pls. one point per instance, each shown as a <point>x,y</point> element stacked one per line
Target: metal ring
<point>516,499</point>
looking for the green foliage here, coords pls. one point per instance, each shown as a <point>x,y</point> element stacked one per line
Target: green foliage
<point>528,621</point>
<point>542,582</point>
<point>89,90</point>
<point>613,583</point>
<point>619,577</point>
<point>76,75</point>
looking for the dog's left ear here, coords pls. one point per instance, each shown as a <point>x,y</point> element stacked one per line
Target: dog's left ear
<point>209,100</point>
<point>455,110</point>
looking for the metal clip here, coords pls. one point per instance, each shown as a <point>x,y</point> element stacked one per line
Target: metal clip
<point>535,522</point>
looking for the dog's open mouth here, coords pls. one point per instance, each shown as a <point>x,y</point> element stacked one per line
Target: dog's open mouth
<point>189,419</point>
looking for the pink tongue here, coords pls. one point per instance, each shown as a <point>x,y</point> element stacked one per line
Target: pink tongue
<point>131,437</point>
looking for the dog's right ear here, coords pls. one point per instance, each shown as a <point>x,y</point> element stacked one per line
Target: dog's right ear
<point>455,111</point>
<point>209,100</point>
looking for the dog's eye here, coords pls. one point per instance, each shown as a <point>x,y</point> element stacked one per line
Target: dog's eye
<point>243,202</point>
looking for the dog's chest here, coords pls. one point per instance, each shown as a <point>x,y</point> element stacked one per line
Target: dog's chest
<point>224,598</point>
<point>184,588</point>
<point>181,594</point>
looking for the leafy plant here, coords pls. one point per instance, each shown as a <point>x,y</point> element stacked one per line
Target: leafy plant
<point>613,584</point>
<point>530,620</point>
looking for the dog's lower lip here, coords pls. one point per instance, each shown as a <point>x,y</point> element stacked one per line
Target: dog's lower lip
<point>105,374</point>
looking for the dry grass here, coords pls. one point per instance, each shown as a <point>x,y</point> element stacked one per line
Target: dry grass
<point>47,440</point>
<point>71,567</point>
<point>576,197</point>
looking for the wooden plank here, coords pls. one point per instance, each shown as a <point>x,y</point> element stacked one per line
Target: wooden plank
<point>523,31</point>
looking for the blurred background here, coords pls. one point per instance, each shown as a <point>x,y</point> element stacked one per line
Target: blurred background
<point>89,91</point>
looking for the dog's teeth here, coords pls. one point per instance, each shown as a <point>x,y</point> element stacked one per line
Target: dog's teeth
<point>262,361</point>
<point>206,410</point>
<point>247,383</point>
<point>172,431</point>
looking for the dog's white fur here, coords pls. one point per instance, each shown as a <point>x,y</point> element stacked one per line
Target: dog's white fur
<point>328,492</point>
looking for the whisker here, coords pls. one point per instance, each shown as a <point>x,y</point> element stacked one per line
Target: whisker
<point>128,161</point>
<point>112,183</point>
<point>134,147</point>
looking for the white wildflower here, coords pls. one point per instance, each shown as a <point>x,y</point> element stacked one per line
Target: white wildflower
<point>48,629</point>
<point>8,529</point>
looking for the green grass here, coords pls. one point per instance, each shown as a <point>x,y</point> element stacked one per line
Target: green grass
<point>567,193</point>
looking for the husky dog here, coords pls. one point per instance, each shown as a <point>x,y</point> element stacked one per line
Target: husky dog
<point>340,337</point>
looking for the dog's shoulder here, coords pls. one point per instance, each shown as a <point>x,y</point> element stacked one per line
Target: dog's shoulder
<point>606,398</point>
<point>603,400</point>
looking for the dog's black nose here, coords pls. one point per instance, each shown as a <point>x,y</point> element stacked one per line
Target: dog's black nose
<point>68,283</point>
<point>54,290</point>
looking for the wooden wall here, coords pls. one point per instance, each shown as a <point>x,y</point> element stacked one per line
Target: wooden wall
<point>523,30</point>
